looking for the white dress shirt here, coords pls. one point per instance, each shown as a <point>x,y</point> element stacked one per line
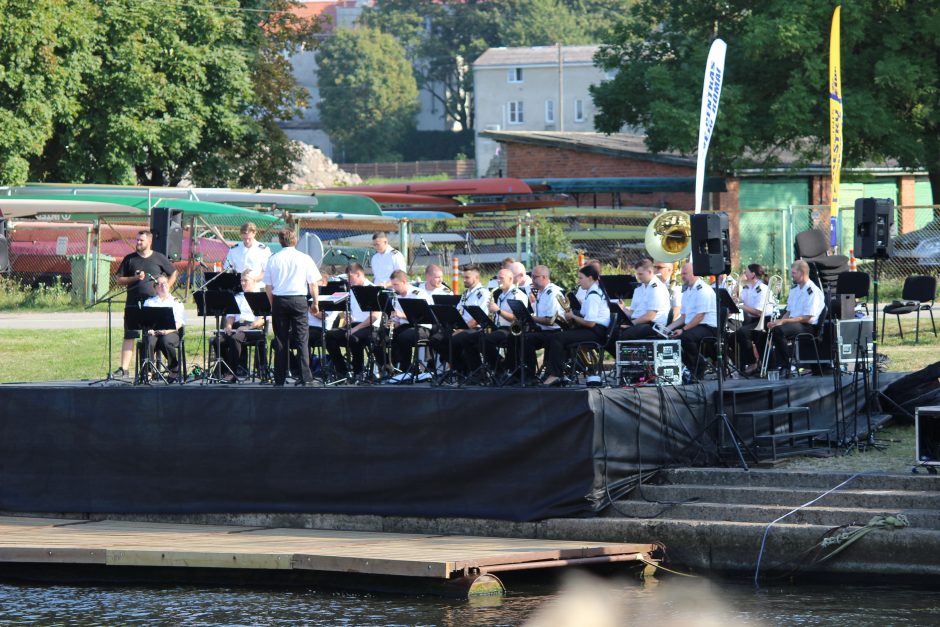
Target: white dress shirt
<point>313,321</point>
<point>547,305</point>
<point>594,307</point>
<point>179,312</point>
<point>652,296</point>
<point>700,298</point>
<point>383,264</point>
<point>503,298</point>
<point>758,296</point>
<point>254,258</point>
<point>440,289</point>
<point>356,312</point>
<point>290,272</point>
<point>478,296</point>
<point>806,300</point>
<point>245,313</point>
<point>413,292</point>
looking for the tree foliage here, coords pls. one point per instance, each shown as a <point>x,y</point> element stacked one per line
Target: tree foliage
<point>442,38</point>
<point>775,99</point>
<point>369,97</point>
<point>46,53</point>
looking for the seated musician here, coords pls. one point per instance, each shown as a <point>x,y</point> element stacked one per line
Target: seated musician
<point>474,294</point>
<point>167,341</point>
<point>546,304</point>
<point>233,335</point>
<point>589,326</point>
<point>698,319</point>
<point>757,303</point>
<point>664,271</point>
<point>404,334</point>
<point>357,334</point>
<point>434,281</point>
<point>650,305</point>
<point>804,306</point>
<point>323,319</point>
<point>503,318</point>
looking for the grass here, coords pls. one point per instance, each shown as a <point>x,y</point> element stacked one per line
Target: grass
<point>16,296</point>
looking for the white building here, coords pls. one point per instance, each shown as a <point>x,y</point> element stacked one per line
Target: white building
<point>532,89</point>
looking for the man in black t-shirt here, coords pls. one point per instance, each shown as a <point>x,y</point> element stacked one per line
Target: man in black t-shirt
<point>137,272</point>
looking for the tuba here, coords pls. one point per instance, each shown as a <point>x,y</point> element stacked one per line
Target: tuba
<point>669,236</point>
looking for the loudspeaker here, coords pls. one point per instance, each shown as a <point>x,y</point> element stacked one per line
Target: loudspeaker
<point>842,307</point>
<point>167,227</point>
<point>927,439</point>
<point>711,248</point>
<point>4,247</point>
<point>874,218</point>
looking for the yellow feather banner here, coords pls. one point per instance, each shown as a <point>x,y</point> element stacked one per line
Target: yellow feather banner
<point>835,112</point>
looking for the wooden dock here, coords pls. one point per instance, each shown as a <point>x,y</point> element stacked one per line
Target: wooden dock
<point>464,563</point>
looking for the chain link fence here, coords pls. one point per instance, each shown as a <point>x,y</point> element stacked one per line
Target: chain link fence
<point>82,257</point>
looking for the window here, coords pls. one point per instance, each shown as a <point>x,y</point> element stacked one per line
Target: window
<point>579,111</point>
<point>515,112</point>
<point>549,111</point>
<point>515,75</point>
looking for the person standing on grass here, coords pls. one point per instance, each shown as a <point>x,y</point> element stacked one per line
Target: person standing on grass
<point>138,272</point>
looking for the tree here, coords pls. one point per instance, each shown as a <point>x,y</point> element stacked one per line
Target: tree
<point>774,97</point>
<point>369,97</point>
<point>46,51</point>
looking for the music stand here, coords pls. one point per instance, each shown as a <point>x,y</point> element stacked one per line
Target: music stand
<point>109,298</point>
<point>332,298</point>
<point>485,323</point>
<point>726,308</point>
<point>372,298</point>
<point>225,281</point>
<point>446,299</point>
<point>260,306</point>
<point>146,319</point>
<point>520,309</point>
<point>216,303</point>
<point>418,312</point>
<point>448,318</point>
<point>619,286</point>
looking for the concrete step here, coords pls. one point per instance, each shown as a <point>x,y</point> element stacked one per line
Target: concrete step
<point>888,500</point>
<point>828,516</point>
<point>797,479</point>
<point>733,547</point>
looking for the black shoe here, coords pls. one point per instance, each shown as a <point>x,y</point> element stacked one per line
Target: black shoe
<point>120,373</point>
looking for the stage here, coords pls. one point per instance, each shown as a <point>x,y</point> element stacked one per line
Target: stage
<point>506,453</point>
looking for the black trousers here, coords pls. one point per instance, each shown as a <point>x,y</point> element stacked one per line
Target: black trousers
<point>168,345</point>
<point>358,343</point>
<point>446,344</point>
<point>290,329</point>
<point>466,357</point>
<point>560,343</point>
<point>533,342</point>
<point>642,331</point>
<point>742,342</point>
<point>495,340</point>
<point>404,343</point>
<point>779,336</point>
<point>690,341</point>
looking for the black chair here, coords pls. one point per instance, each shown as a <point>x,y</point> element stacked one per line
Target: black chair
<point>815,339</point>
<point>917,295</point>
<point>812,246</point>
<point>857,283</point>
<point>157,358</point>
<point>588,357</point>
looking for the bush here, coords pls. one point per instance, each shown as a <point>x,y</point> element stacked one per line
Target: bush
<point>16,295</point>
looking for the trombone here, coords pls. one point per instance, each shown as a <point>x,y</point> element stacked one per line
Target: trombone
<point>774,290</point>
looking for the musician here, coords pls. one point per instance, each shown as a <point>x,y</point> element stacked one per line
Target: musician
<point>474,294</point>
<point>385,260</point>
<point>291,279</point>
<point>323,318</point>
<point>493,283</point>
<point>804,305</point>
<point>650,305</point>
<point>167,341</point>
<point>697,320</point>
<point>596,264</point>
<point>233,335</point>
<point>249,254</point>
<point>136,273</point>
<point>519,276</point>
<point>757,303</point>
<point>503,318</point>
<point>434,281</point>
<point>357,334</point>
<point>547,309</point>
<point>664,271</point>
<point>590,325</point>
<point>405,335</point>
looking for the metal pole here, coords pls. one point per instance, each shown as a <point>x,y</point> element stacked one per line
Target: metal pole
<point>561,90</point>
<point>518,238</point>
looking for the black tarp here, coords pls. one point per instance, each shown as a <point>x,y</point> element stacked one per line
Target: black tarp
<point>513,454</point>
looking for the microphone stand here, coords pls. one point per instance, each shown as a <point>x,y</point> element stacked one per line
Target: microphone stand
<point>218,344</point>
<point>109,298</point>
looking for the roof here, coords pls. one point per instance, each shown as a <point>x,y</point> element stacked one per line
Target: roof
<point>615,145</point>
<point>537,55</point>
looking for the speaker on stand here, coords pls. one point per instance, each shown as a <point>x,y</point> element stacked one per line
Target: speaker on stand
<point>874,219</point>
<point>167,227</point>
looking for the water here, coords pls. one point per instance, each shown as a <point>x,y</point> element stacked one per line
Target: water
<point>663,604</point>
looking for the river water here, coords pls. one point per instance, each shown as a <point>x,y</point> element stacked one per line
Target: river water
<point>585,602</point>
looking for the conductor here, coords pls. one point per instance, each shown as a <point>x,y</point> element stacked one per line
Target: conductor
<point>291,278</point>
